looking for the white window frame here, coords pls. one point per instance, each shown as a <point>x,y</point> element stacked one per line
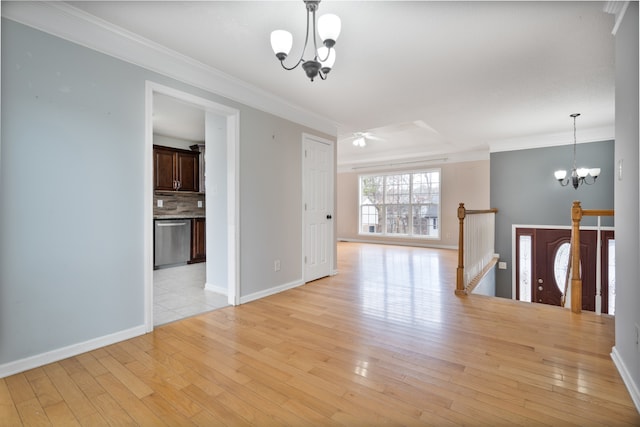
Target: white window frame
<point>410,205</point>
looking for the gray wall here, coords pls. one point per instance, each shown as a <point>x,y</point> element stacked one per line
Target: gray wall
<point>627,209</point>
<point>72,187</point>
<point>525,192</point>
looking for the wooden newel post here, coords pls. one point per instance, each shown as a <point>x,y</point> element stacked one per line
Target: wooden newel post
<point>576,281</point>
<point>460,270</point>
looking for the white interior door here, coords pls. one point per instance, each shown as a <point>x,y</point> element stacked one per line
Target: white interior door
<point>318,207</point>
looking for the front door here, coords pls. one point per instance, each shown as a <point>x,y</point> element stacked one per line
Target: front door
<point>543,261</point>
<point>552,249</point>
<point>318,207</point>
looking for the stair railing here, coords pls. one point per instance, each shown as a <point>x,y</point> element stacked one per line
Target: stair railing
<point>476,239</point>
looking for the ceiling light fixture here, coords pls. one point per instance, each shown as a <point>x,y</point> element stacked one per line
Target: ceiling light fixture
<point>578,175</point>
<point>360,141</point>
<point>323,59</point>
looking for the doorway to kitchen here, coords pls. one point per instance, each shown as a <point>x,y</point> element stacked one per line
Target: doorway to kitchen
<point>189,129</point>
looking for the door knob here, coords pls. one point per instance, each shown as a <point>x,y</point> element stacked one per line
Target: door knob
<point>540,288</point>
<point>540,281</point>
<point>328,216</point>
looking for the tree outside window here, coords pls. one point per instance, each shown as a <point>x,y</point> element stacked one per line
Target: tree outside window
<point>401,204</point>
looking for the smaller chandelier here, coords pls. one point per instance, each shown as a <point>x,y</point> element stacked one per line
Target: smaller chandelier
<point>323,58</point>
<point>578,176</point>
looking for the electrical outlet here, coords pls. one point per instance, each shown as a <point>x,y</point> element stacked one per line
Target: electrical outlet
<point>160,203</point>
<point>638,338</point>
<point>276,265</point>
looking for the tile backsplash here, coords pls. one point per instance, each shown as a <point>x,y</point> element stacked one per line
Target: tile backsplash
<point>178,204</point>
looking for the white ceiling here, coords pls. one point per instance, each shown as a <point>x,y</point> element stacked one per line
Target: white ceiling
<point>427,79</point>
<point>172,117</point>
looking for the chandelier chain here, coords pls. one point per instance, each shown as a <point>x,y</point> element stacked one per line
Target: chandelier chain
<point>578,176</point>
<point>574,141</point>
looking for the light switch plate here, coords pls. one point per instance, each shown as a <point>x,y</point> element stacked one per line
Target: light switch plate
<point>502,265</point>
<point>620,170</point>
<point>160,203</point>
<point>199,203</point>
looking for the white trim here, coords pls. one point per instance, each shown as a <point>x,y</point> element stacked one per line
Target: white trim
<point>68,351</point>
<point>564,227</point>
<point>553,140</point>
<point>513,260</point>
<point>147,200</point>
<point>233,208</point>
<point>415,160</point>
<point>271,291</point>
<point>77,26</point>
<point>547,227</point>
<point>632,387</point>
<point>233,122</point>
<point>219,289</point>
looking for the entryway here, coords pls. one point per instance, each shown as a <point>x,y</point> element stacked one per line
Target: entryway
<point>542,264</point>
<point>180,287</point>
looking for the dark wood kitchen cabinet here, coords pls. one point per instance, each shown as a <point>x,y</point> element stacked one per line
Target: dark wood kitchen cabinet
<point>198,240</point>
<point>175,169</point>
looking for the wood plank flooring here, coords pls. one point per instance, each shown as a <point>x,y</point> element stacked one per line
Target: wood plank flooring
<point>384,342</point>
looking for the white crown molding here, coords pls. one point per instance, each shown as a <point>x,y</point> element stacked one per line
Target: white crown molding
<point>552,140</point>
<point>67,22</point>
<point>405,162</point>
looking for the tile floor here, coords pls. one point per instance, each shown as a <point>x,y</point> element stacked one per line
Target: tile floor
<point>178,292</point>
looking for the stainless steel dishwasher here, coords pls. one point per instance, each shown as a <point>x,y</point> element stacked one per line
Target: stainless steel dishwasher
<point>172,242</point>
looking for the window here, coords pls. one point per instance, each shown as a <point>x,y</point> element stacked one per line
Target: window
<point>611,270</point>
<point>524,263</point>
<point>401,204</point>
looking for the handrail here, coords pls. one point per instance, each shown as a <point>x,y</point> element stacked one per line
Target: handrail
<point>576,281</point>
<point>461,286</point>
<point>479,211</point>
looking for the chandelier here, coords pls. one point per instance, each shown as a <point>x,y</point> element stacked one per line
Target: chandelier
<point>578,176</point>
<point>323,58</point>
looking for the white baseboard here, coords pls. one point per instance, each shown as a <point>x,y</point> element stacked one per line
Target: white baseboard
<point>69,351</point>
<point>215,288</point>
<point>632,387</point>
<point>271,291</point>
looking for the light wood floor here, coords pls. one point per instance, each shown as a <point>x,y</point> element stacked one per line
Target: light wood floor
<point>383,342</point>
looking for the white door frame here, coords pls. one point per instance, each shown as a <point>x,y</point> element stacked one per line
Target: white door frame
<point>232,116</point>
<point>331,202</point>
<point>514,227</point>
